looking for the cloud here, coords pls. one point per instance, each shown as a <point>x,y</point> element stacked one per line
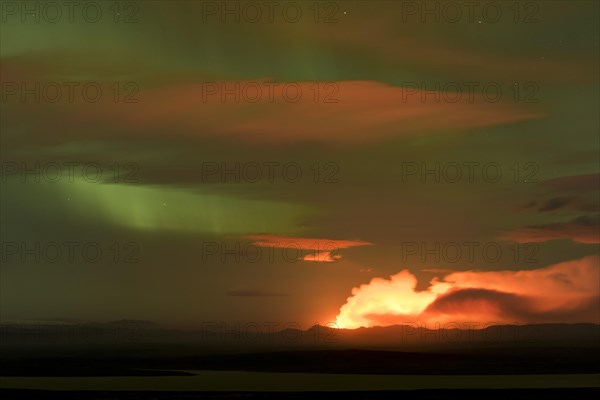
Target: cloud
<point>322,256</point>
<point>579,190</point>
<point>384,297</point>
<point>587,182</point>
<point>565,194</point>
<point>324,250</point>
<point>555,204</point>
<point>201,107</point>
<point>583,229</point>
<point>564,292</point>
<point>304,242</point>
<point>481,303</point>
<point>565,203</point>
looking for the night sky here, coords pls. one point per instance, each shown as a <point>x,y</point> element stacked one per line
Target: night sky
<point>340,224</point>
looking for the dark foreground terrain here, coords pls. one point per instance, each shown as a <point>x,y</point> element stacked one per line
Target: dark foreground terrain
<point>481,361</point>
<point>512,394</point>
<point>558,362</point>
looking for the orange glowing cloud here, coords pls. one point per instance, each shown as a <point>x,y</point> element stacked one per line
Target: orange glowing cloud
<point>322,256</point>
<point>564,292</point>
<point>324,250</point>
<point>263,110</point>
<point>349,111</point>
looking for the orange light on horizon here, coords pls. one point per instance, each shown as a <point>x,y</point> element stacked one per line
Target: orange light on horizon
<point>567,292</point>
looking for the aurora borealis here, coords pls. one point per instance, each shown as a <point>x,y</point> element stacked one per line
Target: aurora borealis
<point>446,171</point>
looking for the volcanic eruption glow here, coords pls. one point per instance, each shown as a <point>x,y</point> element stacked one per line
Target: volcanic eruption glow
<point>564,292</point>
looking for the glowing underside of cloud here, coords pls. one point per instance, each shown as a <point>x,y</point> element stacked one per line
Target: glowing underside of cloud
<point>567,292</point>
<point>359,111</point>
<point>321,250</point>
